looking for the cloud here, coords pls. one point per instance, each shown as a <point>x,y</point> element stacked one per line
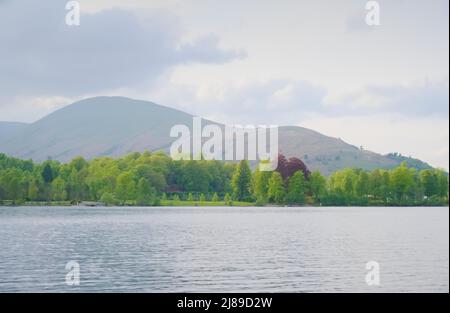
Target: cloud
<point>426,138</point>
<point>41,55</point>
<point>426,99</point>
<point>271,102</point>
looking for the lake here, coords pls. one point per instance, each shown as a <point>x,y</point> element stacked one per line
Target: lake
<point>224,249</point>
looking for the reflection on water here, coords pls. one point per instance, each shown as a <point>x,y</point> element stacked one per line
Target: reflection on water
<point>224,249</point>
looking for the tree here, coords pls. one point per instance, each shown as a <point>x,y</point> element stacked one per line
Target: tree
<point>228,200</point>
<point>295,164</point>
<point>430,182</point>
<point>296,188</point>
<point>202,198</point>
<point>12,183</point>
<point>261,185</point>
<point>287,168</point>
<point>317,185</point>
<point>47,173</point>
<point>194,176</point>
<point>401,180</point>
<point>242,182</point>
<point>443,184</point>
<point>33,190</point>
<point>108,198</point>
<point>125,187</point>
<point>59,189</point>
<point>276,192</point>
<point>145,193</point>
<point>215,197</point>
<point>362,184</point>
<point>76,186</point>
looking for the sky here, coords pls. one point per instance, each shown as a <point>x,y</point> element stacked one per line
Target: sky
<point>316,64</point>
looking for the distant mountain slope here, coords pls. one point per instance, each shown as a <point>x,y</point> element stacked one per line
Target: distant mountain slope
<point>9,129</point>
<point>328,154</point>
<point>114,126</point>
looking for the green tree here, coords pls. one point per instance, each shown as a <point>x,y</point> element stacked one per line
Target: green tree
<point>443,184</point>
<point>76,186</point>
<point>145,193</point>
<point>228,199</point>
<point>108,198</point>
<point>242,182</point>
<point>47,173</point>
<point>33,190</point>
<point>430,182</point>
<point>261,185</point>
<point>317,185</point>
<point>276,191</point>
<point>12,184</point>
<point>125,187</point>
<point>202,198</point>
<point>296,188</point>
<point>215,197</point>
<point>362,184</point>
<point>59,189</point>
<point>402,180</point>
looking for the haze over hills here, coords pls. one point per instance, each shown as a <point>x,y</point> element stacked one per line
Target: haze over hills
<point>114,126</point>
<point>8,129</point>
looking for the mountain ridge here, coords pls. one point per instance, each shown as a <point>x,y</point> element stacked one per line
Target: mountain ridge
<point>114,126</point>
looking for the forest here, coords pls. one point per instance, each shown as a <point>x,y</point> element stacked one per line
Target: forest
<point>152,179</point>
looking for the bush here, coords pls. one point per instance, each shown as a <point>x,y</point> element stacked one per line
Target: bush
<point>108,198</point>
<point>215,197</point>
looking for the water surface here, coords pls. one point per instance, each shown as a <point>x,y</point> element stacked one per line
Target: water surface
<point>224,249</point>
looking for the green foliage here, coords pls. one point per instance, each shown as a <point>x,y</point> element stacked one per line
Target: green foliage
<point>108,198</point>
<point>59,189</point>
<point>228,199</point>
<point>125,187</point>
<point>144,179</point>
<point>317,185</point>
<point>241,182</point>
<point>402,181</point>
<point>215,197</point>
<point>276,192</point>
<point>47,173</point>
<point>145,193</point>
<point>261,186</point>
<point>296,189</point>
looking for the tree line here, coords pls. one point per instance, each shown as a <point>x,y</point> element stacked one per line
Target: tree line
<point>154,178</point>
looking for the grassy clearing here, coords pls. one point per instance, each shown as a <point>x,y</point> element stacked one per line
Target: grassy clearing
<point>205,203</point>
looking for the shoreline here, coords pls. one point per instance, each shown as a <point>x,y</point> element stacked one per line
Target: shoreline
<point>213,204</point>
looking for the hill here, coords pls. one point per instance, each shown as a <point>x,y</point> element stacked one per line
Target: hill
<point>114,126</point>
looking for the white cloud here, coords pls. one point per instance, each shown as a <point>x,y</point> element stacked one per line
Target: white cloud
<point>109,50</point>
<point>420,137</point>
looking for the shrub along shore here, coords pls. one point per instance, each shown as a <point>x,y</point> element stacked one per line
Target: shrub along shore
<point>154,179</point>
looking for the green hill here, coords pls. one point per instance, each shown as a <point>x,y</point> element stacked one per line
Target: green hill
<point>114,126</point>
